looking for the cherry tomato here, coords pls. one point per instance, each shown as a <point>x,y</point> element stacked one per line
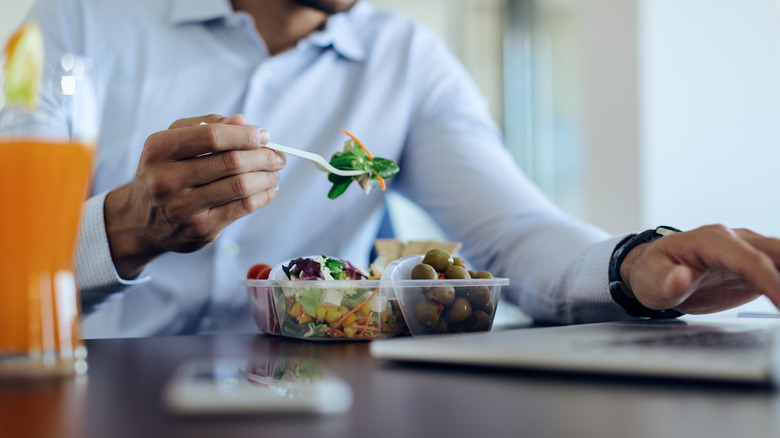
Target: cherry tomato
<point>259,271</point>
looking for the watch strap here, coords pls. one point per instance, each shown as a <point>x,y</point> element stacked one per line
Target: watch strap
<point>618,289</point>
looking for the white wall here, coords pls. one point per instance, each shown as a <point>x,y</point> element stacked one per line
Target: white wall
<point>610,113</point>
<point>710,113</point>
<point>682,112</point>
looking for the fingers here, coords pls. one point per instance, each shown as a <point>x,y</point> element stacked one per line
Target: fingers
<point>237,187</point>
<point>195,136</point>
<point>195,179</point>
<point>193,141</point>
<point>722,248</point>
<point>238,208</point>
<point>662,275</point>
<point>767,245</point>
<point>209,168</point>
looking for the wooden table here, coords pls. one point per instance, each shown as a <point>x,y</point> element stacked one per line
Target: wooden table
<point>121,397</point>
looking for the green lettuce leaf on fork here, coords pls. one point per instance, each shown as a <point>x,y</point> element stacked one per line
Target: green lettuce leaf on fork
<point>356,157</point>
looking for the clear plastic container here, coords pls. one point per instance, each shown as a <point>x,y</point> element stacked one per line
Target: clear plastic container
<point>434,307</point>
<point>348,310</point>
<point>333,310</point>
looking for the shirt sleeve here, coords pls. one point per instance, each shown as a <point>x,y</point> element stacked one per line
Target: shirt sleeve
<point>455,166</point>
<point>95,272</point>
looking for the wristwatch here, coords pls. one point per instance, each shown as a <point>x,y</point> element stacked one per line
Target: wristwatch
<point>618,289</point>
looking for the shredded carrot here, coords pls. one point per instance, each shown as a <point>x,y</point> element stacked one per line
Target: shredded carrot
<point>336,333</point>
<point>344,316</point>
<point>363,320</point>
<point>359,143</point>
<point>381,180</point>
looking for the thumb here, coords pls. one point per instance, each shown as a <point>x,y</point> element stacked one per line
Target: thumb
<point>657,281</point>
<point>678,280</point>
<point>238,119</point>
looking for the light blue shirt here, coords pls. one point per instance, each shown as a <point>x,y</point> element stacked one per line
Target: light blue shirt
<point>388,80</point>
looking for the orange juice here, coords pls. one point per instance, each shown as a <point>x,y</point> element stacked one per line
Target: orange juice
<point>42,189</point>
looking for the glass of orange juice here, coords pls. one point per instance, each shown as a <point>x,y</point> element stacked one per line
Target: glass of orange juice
<point>46,157</point>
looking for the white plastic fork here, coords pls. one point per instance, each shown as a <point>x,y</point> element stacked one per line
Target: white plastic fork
<point>318,161</point>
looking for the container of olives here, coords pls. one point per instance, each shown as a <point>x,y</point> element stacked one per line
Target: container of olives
<point>438,295</point>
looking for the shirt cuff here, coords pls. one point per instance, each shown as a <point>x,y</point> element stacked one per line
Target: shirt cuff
<point>95,272</point>
<point>589,299</point>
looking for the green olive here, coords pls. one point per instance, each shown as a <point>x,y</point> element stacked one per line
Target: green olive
<point>460,310</point>
<point>457,261</point>
<point>479,321</point>
<point>427,312</point>
<point>473,273</point>
<point>478,296</point>
<point>440,327</point>
<point>442,294</point>
<point>456,272</point>
<point>439,259</point>
<point>483,274</point>
<point>423,271</point>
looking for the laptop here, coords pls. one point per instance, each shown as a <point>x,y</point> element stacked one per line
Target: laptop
<point>678,349</point>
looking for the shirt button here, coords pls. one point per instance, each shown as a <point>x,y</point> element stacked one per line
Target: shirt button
<point>231,249</point>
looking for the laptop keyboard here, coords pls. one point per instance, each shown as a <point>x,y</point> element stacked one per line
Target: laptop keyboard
<point>720,339</point>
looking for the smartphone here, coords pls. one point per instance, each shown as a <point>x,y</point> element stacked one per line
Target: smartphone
<point>250,386</point>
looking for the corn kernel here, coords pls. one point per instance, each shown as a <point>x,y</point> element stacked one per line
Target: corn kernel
<point>350,331</point>
<point>305,317</point>
<point>349,320</point>
<point>332,316</point>
<point>320,313</point>
<point>296,310</point>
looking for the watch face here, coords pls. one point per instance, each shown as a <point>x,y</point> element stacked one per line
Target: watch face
<point>665,230</point>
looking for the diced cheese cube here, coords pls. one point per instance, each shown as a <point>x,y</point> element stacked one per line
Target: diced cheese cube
<point>377,304</point>
<point>331,297</point>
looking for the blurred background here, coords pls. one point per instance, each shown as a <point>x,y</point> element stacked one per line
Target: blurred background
<point>627,113</point>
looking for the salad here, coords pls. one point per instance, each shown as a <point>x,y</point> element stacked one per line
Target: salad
<point>357,157</point>
<point>334,312</point>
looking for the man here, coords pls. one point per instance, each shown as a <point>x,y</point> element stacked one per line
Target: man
<point>180,211</point>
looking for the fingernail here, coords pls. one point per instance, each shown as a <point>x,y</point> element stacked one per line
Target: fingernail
<point>263,137</point>
<point>276,189</point>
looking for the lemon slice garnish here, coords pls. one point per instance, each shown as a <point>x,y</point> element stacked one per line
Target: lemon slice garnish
<point>23,66</point>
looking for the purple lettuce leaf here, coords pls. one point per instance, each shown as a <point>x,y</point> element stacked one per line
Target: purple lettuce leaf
<point>305,269</point>
<point>352,272</point>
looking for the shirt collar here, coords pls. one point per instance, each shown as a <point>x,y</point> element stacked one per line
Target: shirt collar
<point>195,11</point>
<point>340,33</point>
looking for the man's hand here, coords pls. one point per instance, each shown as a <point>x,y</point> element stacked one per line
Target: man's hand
<point>709,269</point>
<point>193,180</point>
